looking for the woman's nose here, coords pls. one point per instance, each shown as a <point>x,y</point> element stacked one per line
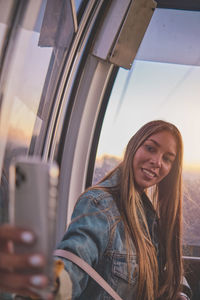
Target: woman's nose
<point>156,161</point>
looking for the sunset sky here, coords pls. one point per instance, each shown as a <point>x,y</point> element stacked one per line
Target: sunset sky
<point>154,91</point>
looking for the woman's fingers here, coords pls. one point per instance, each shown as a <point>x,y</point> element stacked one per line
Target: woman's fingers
<point>17,235</point>
<point>26,285</point>
<point>15,279</point>
<point>20,272</point>
<point>21,262</point>
<point>16,282</point>
<point>11,261</point>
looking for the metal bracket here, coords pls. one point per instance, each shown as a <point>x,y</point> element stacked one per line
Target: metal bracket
<point>59,24</point>
<point>120,45</point>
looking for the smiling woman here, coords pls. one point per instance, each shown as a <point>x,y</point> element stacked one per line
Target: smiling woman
<point>162,84</point>
<point>133,243</point>
<point>143,233</point>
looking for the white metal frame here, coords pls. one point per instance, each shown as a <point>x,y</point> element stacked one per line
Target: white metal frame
<point>87,101</point>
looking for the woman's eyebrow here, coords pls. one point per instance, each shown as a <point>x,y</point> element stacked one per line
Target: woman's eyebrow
<point>158,145</point>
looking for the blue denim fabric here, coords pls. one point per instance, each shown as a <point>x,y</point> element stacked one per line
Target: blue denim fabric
<point>96,234</point>
<point>5,296</point>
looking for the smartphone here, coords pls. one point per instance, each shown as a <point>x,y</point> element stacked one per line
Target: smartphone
<point>33,189</point>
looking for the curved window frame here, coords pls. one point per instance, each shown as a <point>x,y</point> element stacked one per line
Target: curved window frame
<point>81,90</point>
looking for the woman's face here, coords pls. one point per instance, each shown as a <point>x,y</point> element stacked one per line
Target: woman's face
<point>154,159</point>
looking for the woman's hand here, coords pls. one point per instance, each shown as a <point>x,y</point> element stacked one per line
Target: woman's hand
<point>20,273</point>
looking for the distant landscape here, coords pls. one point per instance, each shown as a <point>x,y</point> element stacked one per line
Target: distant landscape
<point>191,201</point>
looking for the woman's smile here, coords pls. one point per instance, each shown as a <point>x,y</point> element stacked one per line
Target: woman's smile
<point>148,173</point>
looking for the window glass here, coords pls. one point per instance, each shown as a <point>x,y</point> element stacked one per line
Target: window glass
<point>78,4</point>
<point>23,85</point>
<point>5,11</point>
<point>157,90</point>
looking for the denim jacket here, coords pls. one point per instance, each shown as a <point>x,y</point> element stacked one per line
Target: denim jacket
<point>96,234</point>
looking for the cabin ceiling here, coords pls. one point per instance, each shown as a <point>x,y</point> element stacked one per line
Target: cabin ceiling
<point>172,37</point>
<point>179,4</point>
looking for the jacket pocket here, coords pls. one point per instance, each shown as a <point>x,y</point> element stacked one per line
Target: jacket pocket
<point>125,269</point>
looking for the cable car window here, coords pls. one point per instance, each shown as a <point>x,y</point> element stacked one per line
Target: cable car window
<point>78,4</point>
<point>23,86</point>
<point>5,13</point>
<point>163,83</point>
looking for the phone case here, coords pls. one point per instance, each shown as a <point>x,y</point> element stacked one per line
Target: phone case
<point>33,201</point>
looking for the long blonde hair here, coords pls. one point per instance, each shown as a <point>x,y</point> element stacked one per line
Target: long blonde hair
<point>153,284</point>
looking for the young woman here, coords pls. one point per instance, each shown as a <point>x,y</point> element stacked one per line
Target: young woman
<point>132,241</point>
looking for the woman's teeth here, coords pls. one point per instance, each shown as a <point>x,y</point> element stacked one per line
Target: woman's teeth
<point>149,173</point>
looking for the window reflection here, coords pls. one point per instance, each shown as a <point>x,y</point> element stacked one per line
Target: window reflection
<point>3,28</point>
<point>157,90</point>
<point>24,83</point>
<point>5,12</point>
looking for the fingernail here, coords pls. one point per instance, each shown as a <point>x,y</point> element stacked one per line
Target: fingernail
<point>27,237</point>
<point>38,280</point>
<point>36,260</point>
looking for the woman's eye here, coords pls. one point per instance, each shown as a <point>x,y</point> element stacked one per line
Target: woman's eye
<point>167,159</point>
<point>150,148</point>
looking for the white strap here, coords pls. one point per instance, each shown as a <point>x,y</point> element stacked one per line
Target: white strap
<point>89,270</point>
